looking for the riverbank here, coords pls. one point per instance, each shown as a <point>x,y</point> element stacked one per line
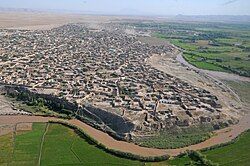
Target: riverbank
<point>220,136</point>
<point>217,74</point>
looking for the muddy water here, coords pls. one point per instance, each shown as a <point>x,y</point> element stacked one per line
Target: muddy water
<point>221,136</point>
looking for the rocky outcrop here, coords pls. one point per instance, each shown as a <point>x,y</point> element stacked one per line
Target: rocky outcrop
<point>115,122</point>
<point>109,122</point>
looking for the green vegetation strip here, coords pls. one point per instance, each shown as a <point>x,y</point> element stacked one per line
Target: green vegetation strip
<point>117,153</point>
<point>177,138</point>
<point>234,153</point>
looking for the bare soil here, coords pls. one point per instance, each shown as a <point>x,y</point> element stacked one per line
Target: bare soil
<point>9,128</point>
<point>44,21</point>
<point>230,100</point>
<point>6,128</point>
<point>6,107</point>
<point>24,127</point>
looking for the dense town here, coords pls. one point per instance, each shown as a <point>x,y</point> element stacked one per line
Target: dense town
<point>107,70</point>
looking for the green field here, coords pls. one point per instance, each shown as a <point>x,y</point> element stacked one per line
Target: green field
<point>21,148</point>
<point>236,154</point>
<point>212,46</point>
<point>213,54</point>
<point>6,148</point>
<point>57,145</point>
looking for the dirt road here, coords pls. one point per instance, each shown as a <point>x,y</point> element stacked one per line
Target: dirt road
<point>216,74</point>
<point>221,136</point>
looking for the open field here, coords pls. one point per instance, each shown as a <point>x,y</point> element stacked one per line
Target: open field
<point>42,20</point>
<point>234,154</point>
<point>47,140</point>
<point>21,147</point>
<point>67,148</point>
<point>45,20</point>
<point>220,136</point>
<point>27,146</point>
<point>100,136</point>
<point>227,54</point>
<point>211,46</point>
<point>6,148</point>
<point>242,88</point>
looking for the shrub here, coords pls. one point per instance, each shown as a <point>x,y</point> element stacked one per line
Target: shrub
<point>200,159</point>
<point>237,58</point>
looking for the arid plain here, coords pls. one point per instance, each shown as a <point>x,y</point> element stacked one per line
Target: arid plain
<point>167,64</point>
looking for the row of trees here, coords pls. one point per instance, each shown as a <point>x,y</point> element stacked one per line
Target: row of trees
<point>33,99</point>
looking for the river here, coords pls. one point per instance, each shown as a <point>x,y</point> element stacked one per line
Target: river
<point>221,136</point>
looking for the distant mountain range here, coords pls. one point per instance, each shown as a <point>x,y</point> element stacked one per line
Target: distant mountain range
<point>2,9</point>
<point>215,18</point>
<point>133,12</point>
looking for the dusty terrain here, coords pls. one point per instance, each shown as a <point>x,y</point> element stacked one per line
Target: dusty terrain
<point>6,128</point>
<point>167,64</point>
<point>43,21</point>
<point>24,126</point>
<point>6,107</point>
<point>174,64</point>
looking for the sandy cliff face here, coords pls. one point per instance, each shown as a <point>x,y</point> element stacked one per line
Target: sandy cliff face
<point>130,86</point>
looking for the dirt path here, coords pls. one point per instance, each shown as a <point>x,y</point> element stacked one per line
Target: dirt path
<point>41,145</point>
<point>216,74</point>
<point>221,136</point>
<point>230,101</point>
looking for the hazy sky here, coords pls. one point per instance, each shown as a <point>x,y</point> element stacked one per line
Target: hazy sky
<point>141,7</point>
